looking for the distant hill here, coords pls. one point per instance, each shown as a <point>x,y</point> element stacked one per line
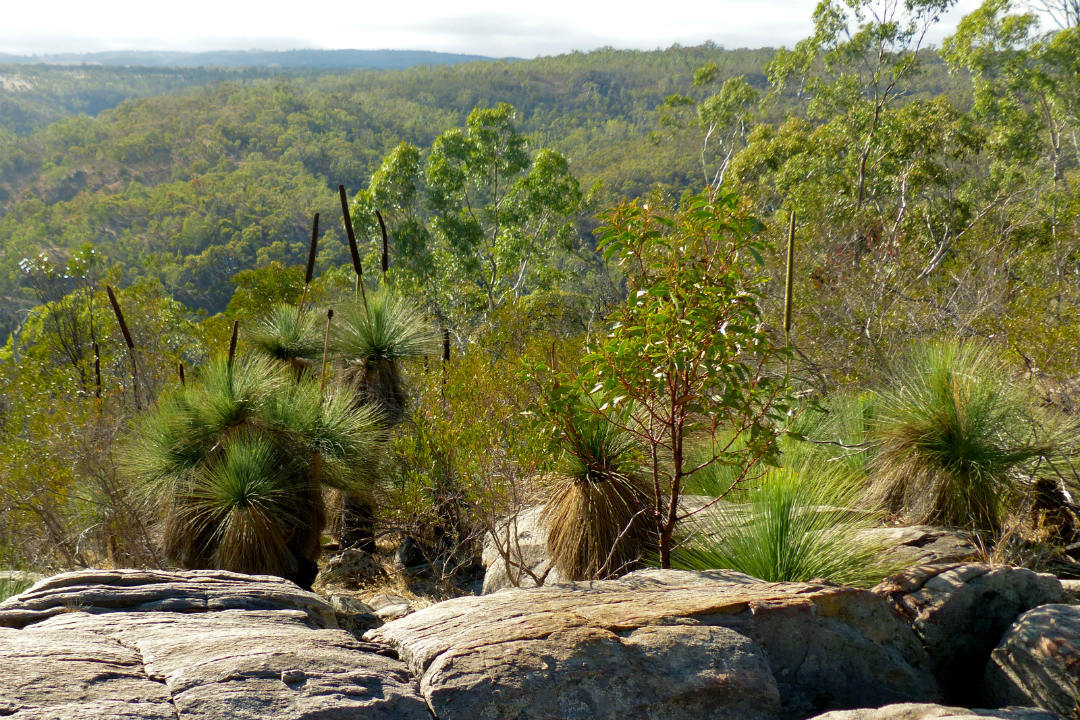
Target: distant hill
<point>315,59</point>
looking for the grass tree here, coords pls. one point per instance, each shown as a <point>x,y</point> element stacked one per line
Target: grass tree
<point>789,525</point>
<point>598,504</point>
<point>951,433</point>
<point>289,335</point>
<point>372,338</point>
<point>236,462</point>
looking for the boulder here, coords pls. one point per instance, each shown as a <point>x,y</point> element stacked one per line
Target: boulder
<point>1038,661</point>
<point>960,612</point>
<point>98,591</point>
<point>926,711</point>
<point>519,556</point>
<point>661,644</point>
<point>1072,591</point>
<point>190,645</point>
<point>389,606</point>
<point>354,615</point>
<point>923,545</point>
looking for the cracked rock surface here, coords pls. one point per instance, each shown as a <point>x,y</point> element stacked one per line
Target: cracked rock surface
<point>1038,661</point>
<point>180,645</point>
<point>960,612</point>
<point>661,644</point>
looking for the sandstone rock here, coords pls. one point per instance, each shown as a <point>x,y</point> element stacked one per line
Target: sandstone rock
<point>353,615</point>
<point>96,591</point>
<point>1038,661</point>
<point>351,569</point>
<point>826,647</point>
<point>960,612</point>
<point>388,606</point>
<point>924,711</point>
<point>524,541</point>
<point>200,654</point>
<point>1072,590</point>
<point>662,672</point>
<point>923,545</point>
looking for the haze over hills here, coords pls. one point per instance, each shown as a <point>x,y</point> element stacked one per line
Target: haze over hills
<point>318,59</point>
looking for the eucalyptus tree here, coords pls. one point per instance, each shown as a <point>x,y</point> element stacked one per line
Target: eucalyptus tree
<point>1026,84</point>
<point>725,116</point>
<point>476,218</point>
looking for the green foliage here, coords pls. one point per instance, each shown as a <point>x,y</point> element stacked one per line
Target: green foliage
<point>836,431</point>
<point>387,327</point>
<point>10,587</point>
<point>793,525</point>
<point>234,463</point>
<point>373,338</point>
<point>951,432</point>
<point>688,348</point>
<point>481,221</point>
<point>12,581</point>
<point>468,454</point>
<point>286,333</point>
<point>597,512</point>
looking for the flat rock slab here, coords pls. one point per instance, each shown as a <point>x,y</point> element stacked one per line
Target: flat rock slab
<point>634,647</point>
<point>925,711</point>
<point>96,591</point>
<point>960,612</point>
<point>202,664</point>
<point>1038,661</point>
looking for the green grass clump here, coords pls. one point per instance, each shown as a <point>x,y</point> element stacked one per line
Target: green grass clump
<point>597,512</point>
<point>952,431</point>
<point>235,462</point>
<point>10,587</point>
<point>793,526</point>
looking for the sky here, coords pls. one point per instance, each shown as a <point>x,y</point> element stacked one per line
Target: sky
<point>486,27</point>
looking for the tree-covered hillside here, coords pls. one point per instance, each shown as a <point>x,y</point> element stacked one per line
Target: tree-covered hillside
<point>192,186</point>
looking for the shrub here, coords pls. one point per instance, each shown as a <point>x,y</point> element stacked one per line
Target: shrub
<point>952,431</point>
<point>688,347</point>
<point>789,526</point>
<point>236,461</point>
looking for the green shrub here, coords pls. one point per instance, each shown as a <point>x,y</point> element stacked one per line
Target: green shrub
<point>791,526</point>
<point>235,462</point>
<point>952,431</point>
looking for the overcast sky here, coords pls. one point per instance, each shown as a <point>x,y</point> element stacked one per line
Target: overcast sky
<point>486,27</point>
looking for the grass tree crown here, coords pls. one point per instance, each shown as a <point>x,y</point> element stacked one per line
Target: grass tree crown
<point>236,459</point>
